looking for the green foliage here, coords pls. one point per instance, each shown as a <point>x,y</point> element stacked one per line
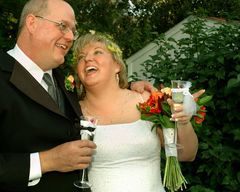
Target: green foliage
<point>131,26</point>
<point>10,12</point>
<point>218,8</point>
<point>115,18</point>
<point>209,57</point>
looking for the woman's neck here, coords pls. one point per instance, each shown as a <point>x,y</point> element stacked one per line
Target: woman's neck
<point>104,95</point>
<point>103,101</point>
<point>101,94</point>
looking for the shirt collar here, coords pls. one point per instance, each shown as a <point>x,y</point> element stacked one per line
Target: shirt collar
<point>27,63</point>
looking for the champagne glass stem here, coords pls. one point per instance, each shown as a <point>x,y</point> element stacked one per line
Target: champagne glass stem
<point>84,175</point>
<point>88,124</point>
<point>175,133</point>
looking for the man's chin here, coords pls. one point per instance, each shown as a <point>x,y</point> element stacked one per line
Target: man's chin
<point>60,61</point>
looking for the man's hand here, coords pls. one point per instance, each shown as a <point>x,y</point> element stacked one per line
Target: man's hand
<point>141,86</point>
<point>67,157</point>
<point>198,93</point>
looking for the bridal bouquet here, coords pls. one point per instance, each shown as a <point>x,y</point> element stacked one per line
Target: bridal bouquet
<point>157,110</point>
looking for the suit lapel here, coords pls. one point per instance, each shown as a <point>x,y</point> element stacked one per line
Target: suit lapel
<point>71,96</point>
<point>30,87</point>
<point>23,80</point>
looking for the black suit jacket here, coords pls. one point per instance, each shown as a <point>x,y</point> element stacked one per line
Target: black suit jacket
<point>30,121</point>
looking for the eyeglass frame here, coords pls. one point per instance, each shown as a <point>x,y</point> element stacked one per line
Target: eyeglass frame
<point>64,28</point>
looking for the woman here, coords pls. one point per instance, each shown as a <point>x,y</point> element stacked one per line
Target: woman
<point>127,157</point>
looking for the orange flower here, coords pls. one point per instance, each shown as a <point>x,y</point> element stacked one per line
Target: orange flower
<point>200,117</point>
<point>69,83</point>
<point>153,104</point>
<point>167,91</point>
<point>157,94</point>
<point>70,78</point>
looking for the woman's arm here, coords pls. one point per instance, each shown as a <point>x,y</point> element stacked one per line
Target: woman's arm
<point>187,138</point>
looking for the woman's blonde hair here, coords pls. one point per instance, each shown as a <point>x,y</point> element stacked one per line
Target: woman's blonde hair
<point>107,40</point>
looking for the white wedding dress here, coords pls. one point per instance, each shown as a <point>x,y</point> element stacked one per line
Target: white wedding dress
<point>127,159</point>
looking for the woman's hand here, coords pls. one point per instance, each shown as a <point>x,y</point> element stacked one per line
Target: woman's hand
<point>179,115</point>
<point>178,112</point>
<point>187,137</point>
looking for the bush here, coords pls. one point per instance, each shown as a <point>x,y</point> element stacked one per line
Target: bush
<point>209,57</point>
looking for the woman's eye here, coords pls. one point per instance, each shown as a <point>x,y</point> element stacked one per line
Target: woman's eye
<point>81,57</point>
<point>98,52</point>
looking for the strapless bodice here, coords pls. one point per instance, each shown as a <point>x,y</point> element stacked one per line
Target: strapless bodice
<point>127,159</point>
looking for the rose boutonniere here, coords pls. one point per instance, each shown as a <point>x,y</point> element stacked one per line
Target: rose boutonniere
<point>157,110</point>
<point>69,83</point>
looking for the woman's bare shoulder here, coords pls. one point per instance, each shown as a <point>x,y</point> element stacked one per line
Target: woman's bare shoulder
<point>138,97</point>
<point>141,97</point>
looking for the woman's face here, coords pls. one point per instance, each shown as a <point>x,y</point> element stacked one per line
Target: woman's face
<point>96,65</point>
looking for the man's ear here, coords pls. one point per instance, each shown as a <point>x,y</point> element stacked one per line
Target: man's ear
<point>31,23</point>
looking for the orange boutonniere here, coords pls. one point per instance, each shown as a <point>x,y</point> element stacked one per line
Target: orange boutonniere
<point>69,83</point>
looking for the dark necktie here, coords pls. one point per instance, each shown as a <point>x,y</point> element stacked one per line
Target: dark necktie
<point>51,88</point>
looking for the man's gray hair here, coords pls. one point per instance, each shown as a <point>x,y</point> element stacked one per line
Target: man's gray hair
<point>35,7</point>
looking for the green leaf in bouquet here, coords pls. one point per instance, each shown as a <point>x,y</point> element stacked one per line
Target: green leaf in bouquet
<point>166,108</point>
<point>167,123</point>
<point>151,118</point>
<point>204,100</point>
<point>199,115</point>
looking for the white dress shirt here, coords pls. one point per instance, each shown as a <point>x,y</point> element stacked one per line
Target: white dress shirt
<point>37,73</point>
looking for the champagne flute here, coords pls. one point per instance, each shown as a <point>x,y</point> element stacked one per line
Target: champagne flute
<point>178,90</point>
<point>88,126</point>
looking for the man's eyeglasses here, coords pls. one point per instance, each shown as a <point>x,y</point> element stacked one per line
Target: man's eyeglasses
<point>64,28</point>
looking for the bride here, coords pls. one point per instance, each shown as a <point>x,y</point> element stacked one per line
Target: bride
<point>127,157</point>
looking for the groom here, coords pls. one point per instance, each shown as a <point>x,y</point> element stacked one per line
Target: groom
<point>39,150</point>
<point>39,146</point>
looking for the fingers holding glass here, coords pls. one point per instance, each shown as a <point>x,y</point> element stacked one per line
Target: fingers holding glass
<point>87,132</point>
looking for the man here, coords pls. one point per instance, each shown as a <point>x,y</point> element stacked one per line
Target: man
<point>39,146</point>
<point>39,150</point>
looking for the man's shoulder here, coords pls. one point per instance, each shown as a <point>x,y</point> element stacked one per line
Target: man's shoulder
<point>6,61</point>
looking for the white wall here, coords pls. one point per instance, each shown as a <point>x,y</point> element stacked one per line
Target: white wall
<point>134,62</point>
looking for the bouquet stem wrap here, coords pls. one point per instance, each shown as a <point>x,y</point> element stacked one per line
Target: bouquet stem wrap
<point>173,177</point>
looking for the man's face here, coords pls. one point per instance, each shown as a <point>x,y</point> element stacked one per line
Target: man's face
<point>54,34</point>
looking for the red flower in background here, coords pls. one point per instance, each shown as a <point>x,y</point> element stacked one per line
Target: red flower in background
<point>201,113</point>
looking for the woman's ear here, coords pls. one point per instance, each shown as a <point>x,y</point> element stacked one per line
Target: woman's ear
<point>118,68</point>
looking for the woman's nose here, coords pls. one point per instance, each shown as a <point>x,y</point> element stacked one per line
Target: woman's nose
<point>88,57</point>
